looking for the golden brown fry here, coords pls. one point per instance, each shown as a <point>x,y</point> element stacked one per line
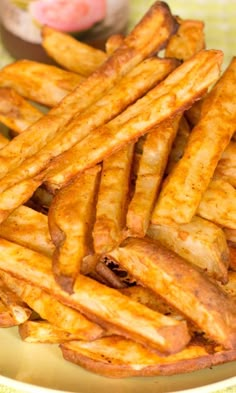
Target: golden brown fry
<point>113,42</point>
<point>141,78</point>
<point>18,195</point>
<point>218,204</point>
<point>42,83</point>
<point>179,144</point>
<point>102,304</point>
<point>28,228</point>
<point>70,219</point>
<point>112,200</point>
<point>226,167</point>
<point>193,114</point>
<point>182,87</point>
<point>70,53</point>
<point>15,112</point>
<point>45,332</point>
<point>51,309</point>
<point>181,285</point>
<point>200,242</point>
<point>147,37</point>
<point>3,141</point>
<point>117,357</point>
<point>18,308</point>
<point>6,318</point>
<point>183,190</point>
<point>152,165</point>
<point>230,286</point>
<point>190,39</point>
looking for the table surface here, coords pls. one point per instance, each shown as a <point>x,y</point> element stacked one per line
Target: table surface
<point>220,31</point>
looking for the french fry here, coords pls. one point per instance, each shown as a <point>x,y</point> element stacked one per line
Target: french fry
<point>167,99</point>
<point>6,318</point>
<point>181,285</point>
<point>193,114</point>
<point>45,332</point>
<point>42,83</point>
<point>112,200</point>
<point>102,304</point>
<point>70,219</point>
<point>152,165</point>
<point>117,357</point>
<point>218,204</point>
<point>189,40</point>
<point>113,42</point>
<point>70,53</point>
<point>226,167</point>
<point>147,37</point>
<point>52,310</point>
<point>179,144</point>
<point>18,195</point>
<point>3,141</point>
<point>15,112</point>
<point>200,242</point>
<point>142,78</point>
<point>230,286</point>
<point>232,252</point>
<point>183,190</point>
<point>28,228</point>
<point>19,310</point>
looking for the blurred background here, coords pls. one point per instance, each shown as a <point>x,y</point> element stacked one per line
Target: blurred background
<point>219,17</point>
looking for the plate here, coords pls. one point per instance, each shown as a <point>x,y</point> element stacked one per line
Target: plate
<point>41,368</point>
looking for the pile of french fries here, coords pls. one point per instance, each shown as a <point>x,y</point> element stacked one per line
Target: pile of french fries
<point>118,200</point>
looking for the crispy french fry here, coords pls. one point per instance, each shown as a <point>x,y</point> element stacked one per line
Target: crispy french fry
<point>52,310</point>
<point>230,286</point>
<point>3,141</point>
<point>179,144</point>
<point>152,165</point>
<point>184,188</point>
<point>226,167</point>
<point>18,309</point>
<point>193,114</point>
<point>6,318</point>
<point>28,228</point>
<point>15,112</point>
<point>167,99</point>
<point>142,78</point>
<point>113,42</point>
<point>218,204</point>
<point>112,200</point>
<point>45,332</point>
<point>181,285</point>
<point>42,83</point>
<point>70,53</point>
<point>189,40</point>
<point>147,37</point>
<point>117,357</point>
<point>106,305</point>
<point>70,219</point>
<point>200,242</point>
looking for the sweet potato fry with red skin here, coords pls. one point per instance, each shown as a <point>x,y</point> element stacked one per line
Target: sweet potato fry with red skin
<point>117,357</point>
<point>70,220</point>
<point>101,304</point>
<point>182,192</point>
<point>181,285</point>
<point>177,92</point>
<point>15,112</point>
<point>70,53</point>
<point>147,38</point>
